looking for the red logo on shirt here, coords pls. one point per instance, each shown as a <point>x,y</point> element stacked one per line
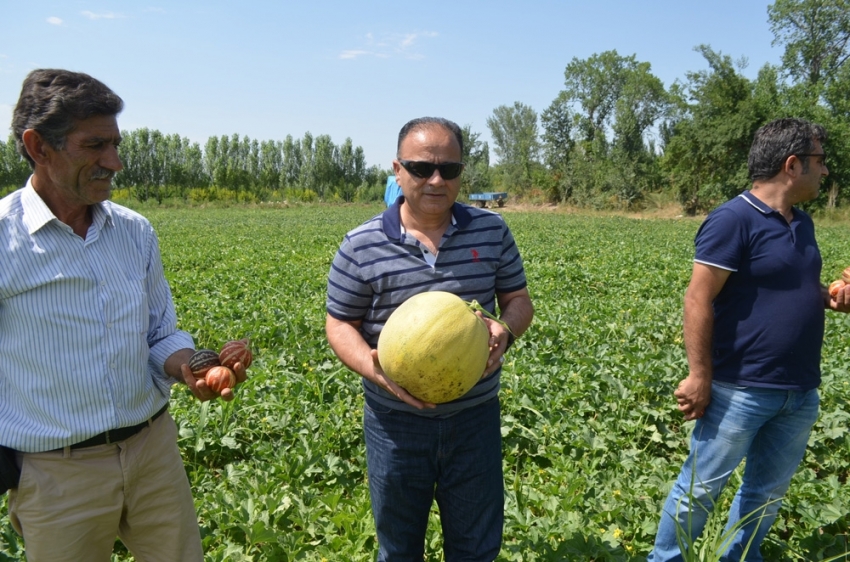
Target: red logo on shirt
<point>475,255</point>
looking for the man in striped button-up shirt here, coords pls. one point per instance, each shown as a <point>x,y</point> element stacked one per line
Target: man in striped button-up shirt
<point>89,343</point>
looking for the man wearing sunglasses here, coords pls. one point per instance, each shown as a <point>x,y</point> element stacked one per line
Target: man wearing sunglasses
<point>417,452</point>
<point>753,329</point>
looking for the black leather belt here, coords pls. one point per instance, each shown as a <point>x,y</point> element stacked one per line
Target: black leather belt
<point>120,434</point>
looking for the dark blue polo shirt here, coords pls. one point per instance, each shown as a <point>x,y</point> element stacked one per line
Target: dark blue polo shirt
<point>769,316</point>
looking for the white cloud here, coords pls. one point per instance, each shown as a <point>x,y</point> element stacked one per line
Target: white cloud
<point>390,45</point>
<point>53,20</point>
<point>406,41</point>
<point>101,16</point>
<point>353,54</point>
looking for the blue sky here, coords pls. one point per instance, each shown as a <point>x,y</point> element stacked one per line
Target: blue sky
<point>354,69</point>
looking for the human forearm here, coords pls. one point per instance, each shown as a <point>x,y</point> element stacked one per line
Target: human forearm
<point>517,311</point>
<point>694,392</point>
<point>161,352</point>
<point>698,329</point>
<point>175,360</point>
<point>356,354</point>
<point>348,344</point>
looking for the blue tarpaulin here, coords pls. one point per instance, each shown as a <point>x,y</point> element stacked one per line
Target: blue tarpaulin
<point>392,192</point>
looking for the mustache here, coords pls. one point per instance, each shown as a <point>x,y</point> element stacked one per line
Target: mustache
<point>102,174</point>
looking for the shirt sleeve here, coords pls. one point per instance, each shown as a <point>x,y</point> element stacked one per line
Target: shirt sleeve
<point>349,296</point>
<point>163,336</point>
<point>720,240</point>
<point>510,276</point>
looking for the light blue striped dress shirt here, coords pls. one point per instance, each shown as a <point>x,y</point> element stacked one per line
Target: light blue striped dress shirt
<point>85,325</point>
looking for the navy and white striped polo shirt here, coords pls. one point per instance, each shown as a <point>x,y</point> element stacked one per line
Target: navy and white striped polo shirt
<point>378,267</point>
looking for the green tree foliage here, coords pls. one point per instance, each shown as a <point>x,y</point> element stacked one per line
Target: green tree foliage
<point>324,164</point>
<point>596,129</point>
<point>271,164</point>
<point>14,170</point>
<point>515,136</point>
<point>290,173</point>
<point>718,112</point>
<point>594,84</point>
<point>816,37</point>
<point>837,107</point>
<point>158,166</point>
<point>305,176</point>
<point>350,166</point>
<point>641,102</point>
<point>476,156</point>
<point>558,120</point>
<point>558,124</point>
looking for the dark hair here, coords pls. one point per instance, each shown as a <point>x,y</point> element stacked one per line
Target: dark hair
<point>424,123</point>
<point>52,101</point>
<point>775,142</point>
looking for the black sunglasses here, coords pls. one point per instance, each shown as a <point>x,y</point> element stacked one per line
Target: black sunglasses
<point>448,170</point>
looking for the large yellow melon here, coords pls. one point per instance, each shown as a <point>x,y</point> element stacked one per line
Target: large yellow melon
<point>434,346</point>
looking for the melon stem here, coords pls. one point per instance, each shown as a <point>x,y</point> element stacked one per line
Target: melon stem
<point>476,307</point>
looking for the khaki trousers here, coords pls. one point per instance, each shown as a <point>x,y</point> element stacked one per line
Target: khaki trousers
<point>71,504</point>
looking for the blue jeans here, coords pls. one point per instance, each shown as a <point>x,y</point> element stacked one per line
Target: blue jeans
<point>770,428</point>
<point>458,460</point>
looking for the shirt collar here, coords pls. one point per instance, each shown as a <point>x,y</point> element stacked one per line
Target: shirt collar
<point>36,213</point>
<point>391,218</point>
<point>756,202</point>
<point>759,205</point>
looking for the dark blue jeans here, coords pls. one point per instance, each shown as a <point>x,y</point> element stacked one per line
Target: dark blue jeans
<point>458,460</point>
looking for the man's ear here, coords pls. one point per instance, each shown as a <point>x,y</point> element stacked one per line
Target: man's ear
<point>36,147</point>
<point>792,166</point>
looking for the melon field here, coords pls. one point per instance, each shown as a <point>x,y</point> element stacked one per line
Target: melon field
<point>591,437</point>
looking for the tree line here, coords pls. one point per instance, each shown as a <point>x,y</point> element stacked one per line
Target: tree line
<point>614,134</point>
<point>158,166</point>
<point>610,139</point>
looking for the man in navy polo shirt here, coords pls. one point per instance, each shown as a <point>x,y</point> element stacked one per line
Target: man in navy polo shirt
<point>753,328</point>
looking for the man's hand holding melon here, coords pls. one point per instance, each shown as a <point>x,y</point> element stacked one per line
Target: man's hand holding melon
<point>209,374</point>
<point>436,347</point>
<point>838,297</point>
